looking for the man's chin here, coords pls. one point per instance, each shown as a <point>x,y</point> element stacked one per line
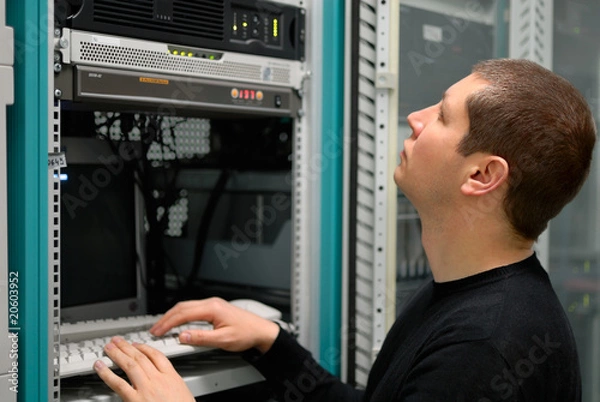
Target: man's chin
<point>398,178</point>
<point>402,186</point>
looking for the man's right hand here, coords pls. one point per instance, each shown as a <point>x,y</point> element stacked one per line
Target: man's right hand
<point>234,329</point>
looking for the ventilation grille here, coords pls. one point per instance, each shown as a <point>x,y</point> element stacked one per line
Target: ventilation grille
<point>365,188</point>
<point>531,26</point>
<point>280,75</point>
<point>204,19</point>
<point>120,56</point>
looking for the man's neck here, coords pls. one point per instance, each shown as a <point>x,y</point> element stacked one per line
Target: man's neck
<point>459,250</point>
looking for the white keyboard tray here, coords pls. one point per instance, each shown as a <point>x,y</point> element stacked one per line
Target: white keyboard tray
<point>202,375</point>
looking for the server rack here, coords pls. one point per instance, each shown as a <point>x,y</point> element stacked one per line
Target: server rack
<point>391,46</point>
<point>376,280</point>
<point>9,281</point>
<point>32,241</point>
<point>29,121</point>
<point>125,65</point>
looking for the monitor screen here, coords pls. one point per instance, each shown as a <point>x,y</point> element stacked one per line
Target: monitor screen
<point>98,237</point>
<point>99,252</point>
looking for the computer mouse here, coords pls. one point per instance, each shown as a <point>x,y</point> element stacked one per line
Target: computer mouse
<point>258,308</point>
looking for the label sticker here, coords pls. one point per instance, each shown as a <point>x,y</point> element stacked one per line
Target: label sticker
<point>106,40</point>
<point>57,160</point>
<point>432,33</point>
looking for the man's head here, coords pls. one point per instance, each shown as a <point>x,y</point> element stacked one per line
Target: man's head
<point>511,132</point>
<point>542,126</point>
<point>432,171</point>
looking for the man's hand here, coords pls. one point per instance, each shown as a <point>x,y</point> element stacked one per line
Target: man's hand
<point>234,329</point>
<point>152,376</point>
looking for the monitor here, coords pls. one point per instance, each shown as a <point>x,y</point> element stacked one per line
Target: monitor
<point>100,229</point>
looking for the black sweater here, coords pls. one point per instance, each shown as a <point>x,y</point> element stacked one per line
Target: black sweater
<point>501,335</point>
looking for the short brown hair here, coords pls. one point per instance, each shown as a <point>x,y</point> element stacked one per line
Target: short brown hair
<point>542,126</point>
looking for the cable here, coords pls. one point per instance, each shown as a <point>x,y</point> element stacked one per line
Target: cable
<point>174,270</point>
<point>203,227</point>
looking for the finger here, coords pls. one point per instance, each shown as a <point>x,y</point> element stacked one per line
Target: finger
<point>134,363</point>
<point>199,338</point>
<point>223,338</point>
<point>174,317</point>
<point>198,310</point>
<point>116,383</point>
<point>159,360</point>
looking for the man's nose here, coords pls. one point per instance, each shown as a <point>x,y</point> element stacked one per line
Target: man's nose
<point>415,122</point>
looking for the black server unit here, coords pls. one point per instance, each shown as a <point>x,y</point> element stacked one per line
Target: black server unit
<point>244,26</point>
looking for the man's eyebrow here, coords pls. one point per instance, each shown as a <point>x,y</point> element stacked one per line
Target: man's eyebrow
<point>444,95</point>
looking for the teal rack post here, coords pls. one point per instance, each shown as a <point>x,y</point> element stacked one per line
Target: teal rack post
<point>331,190</point>
<point>27,148</point>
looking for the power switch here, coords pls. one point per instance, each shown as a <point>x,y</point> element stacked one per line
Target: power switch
<point>277,101</point>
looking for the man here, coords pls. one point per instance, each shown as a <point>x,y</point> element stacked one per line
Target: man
<point>486,168</point>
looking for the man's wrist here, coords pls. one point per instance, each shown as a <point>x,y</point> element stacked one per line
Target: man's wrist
<point>271,331</point>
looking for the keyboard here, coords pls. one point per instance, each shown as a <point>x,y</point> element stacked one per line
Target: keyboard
<point>82,343</point>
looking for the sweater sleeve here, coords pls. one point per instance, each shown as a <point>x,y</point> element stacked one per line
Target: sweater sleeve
<point>296,376</point>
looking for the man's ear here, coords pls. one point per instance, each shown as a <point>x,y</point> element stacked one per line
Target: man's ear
<point>486,175</point>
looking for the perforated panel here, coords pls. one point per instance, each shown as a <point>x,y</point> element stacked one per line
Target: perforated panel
<point>124,57</point>
<point>180,137</point>
<point>54,248</point>
<point>300,178</point>
<point>178,216</point>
